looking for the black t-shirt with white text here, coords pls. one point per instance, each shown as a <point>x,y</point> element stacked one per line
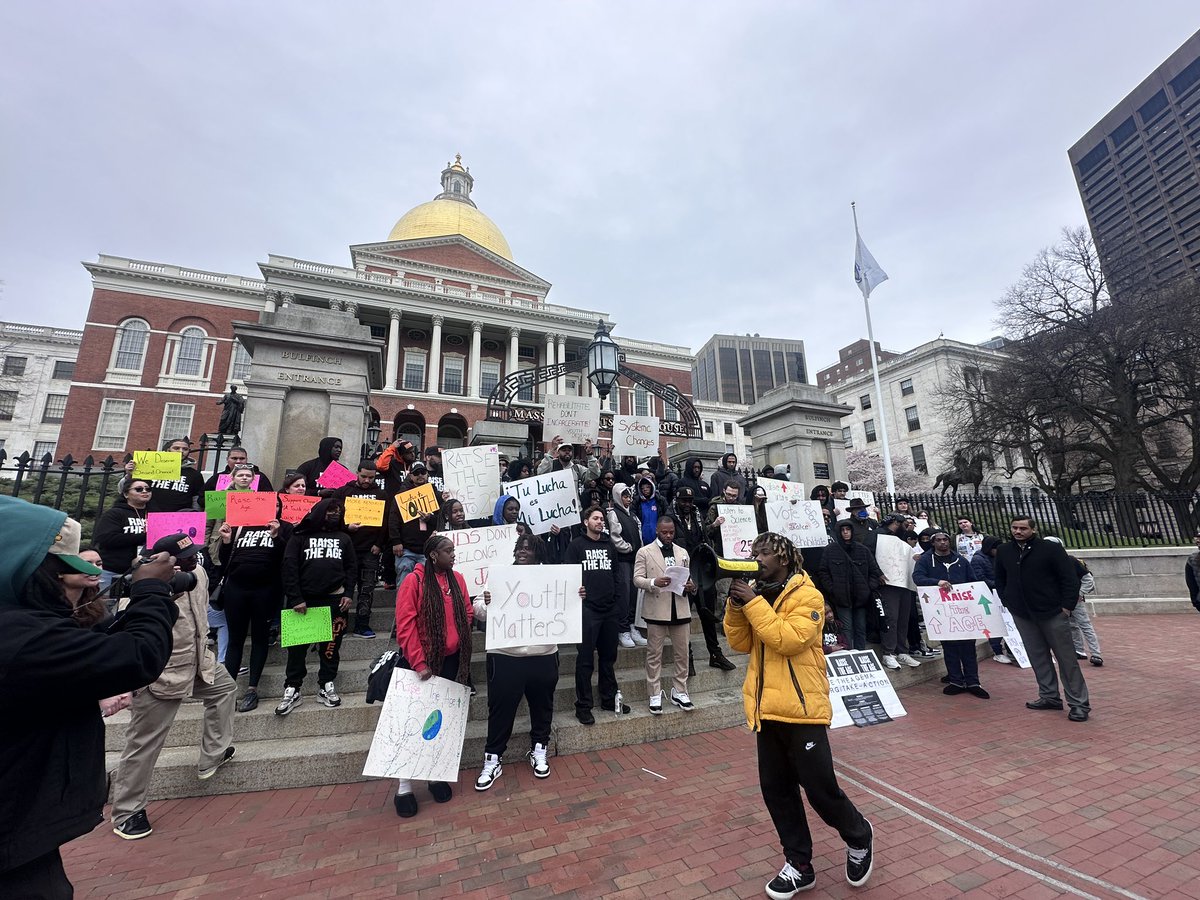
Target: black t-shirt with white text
<point>598,560</point>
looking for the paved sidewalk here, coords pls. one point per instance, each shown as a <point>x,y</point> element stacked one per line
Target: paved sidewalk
<point>968,796</point>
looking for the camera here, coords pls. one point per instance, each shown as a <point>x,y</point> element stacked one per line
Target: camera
<point>182,582</point>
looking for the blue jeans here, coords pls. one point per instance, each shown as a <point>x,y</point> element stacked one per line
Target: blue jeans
<point>216,619</point>
<point>405,563</point>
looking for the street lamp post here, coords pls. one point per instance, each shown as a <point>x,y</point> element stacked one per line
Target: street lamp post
<point>604,361</point>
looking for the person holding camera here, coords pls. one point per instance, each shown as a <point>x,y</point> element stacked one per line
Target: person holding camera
<point>56,670</point>
<point>192,671</point>
<point>779,621</point>
<point>121,532</point>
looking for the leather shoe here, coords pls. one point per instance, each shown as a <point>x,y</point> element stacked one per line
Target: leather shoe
<point>1044,704</point>
<point>406,805</point>
<point>441,791</point>
<point>952,689</point>
<point>1078,715</point>
<point>718,660</point>
<point>585,716</point>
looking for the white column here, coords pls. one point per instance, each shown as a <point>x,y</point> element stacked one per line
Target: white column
<point>473,372</point>
<point>272,297</point>
<point>514,341</point>
<point>393,350</point>
<point>550,387</point>
<point>562,358</point>
<point>435,358</point>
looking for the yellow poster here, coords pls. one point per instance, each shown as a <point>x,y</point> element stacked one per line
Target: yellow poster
<point>418,502</point>
<point>155,465</point>
<point>364,511</point>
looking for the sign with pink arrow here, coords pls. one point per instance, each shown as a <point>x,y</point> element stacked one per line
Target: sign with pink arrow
<point>966,612</point>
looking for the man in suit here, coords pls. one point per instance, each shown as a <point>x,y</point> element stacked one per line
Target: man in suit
<point>667,614</point>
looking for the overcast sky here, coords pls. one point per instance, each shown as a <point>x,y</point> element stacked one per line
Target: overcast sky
<point>686,166</point>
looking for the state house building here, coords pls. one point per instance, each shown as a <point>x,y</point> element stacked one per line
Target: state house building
<point>442,294</point>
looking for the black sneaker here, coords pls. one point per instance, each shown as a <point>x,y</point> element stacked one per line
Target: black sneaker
<point>790,881</point>
<point>860,863</point>
<point>248,702</point>
<point>441,791</point>
<point>406,805</point>
<point>718,660</point>
<point>585,716</point>
<point>206,774</point>
<point>135,827</point>
<point>612,707</point>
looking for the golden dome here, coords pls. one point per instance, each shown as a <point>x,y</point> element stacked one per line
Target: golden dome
<point>442,217</point>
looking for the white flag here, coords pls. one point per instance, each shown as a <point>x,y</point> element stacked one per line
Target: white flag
<point>867,273</point>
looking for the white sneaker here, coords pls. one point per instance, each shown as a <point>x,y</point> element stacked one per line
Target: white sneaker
<point>907,660</point>
<point>637,638</point>
<point>626,640</point>
<point>682,700</point>
<point>492,769</point>
<point>889,661</point>
<point>291,699</point>
<point>656,704</point>
<point>537,759</point>
<point>1002,658</point>
<point>328,695</point>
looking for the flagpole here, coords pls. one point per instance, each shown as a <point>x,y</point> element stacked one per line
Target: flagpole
<point>887,453</point>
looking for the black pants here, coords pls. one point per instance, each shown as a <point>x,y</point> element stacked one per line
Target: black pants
<point>330,651</point>
<point>509,678</point>
<point>626,594</point>
<point>791,757</point>
<point>249,608</point>
<point>39,879</point>
<point>961,664</point>
<point>368,575</point>
<point>600,632</point>
<point>708,622</point>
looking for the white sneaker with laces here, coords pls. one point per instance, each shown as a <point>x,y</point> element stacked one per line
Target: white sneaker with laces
<point>682,700</point>
<point>907,660</point>
<point>291,699</point>
<point>889,661</point>
<point>492,770</point>
<point>1002,658</point>
<point>537,759</point>
<point>626,640</point>
<point>328,695</point>
<point>637,638</point>
<point>656,704</point>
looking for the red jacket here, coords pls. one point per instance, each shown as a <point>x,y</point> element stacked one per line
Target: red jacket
<point>408,602</point>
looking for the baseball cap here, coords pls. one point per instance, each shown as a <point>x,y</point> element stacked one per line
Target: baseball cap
<point>685,493</point>
<point>66,548</point>
<point>178,545</point>
<point>405,446</point>
<point>435,450</point>
<point>419,467</point>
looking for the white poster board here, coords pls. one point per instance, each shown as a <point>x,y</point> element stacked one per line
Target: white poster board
<point>574,419</point>
<point>968,612</point>
<point>420,730</point>
<point>859,690</point>
<point>777,490</point>
<point>1016,646</point>
<point>546,500</point>
<point>738,531</point>
<point>895,558</point>
<point>801,522</point>
<point>472,476</point>
<point>635,436</point>
<point>534,605</point>
<point>477,549</point>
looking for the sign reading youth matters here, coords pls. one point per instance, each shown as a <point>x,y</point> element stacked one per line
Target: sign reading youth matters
<point>546,500</point>
<point>738,531</point>
<point>472,476</point>
<point>859,690</point>
<point>800,522</point>
<point>420,730</point>
<point>476,550</point>
<point>534,605</point>
<point>635,436</point>
<point>966,612</point>
<point>574,419</point>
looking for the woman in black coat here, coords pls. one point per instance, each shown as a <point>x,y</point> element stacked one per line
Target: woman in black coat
<point>849,578</point>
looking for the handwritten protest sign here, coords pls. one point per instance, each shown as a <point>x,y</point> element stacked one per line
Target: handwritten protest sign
<point>153,465</point>
<point>249,508</point>
<point>574,419</point>
<point>312,627</point>
<point>420,730</point>
<point>895,559</point>
<point>546,500</point>
<point>159,525</point>
<point>224,480</point>
<point>800,522</point>
<point>1016,644</point>
<point>364,511</point>
<point>476,550</point>
<point>418,502</point>
<point>967,612</point>
<point>214,504</point>
<point>472,476</point>
<point>296,506</point>
<point>867,497</point>
<point>738,531</point>
<point>635,436</point>
<point>859,690</point>
<point>777,490</point>
<point>534,605</point>
<point>335,476</point>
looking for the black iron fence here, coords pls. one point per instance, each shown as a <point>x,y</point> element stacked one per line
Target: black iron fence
<point>83,490</point>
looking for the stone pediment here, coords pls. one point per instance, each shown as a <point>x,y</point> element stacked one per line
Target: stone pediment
<point>454,253</point>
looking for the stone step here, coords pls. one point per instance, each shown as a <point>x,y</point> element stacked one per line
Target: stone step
<point>1120,606</point>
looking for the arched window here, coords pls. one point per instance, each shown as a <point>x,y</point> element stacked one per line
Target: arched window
<point>190,358</point>
<point>410,431</point>
<point>131,345</point>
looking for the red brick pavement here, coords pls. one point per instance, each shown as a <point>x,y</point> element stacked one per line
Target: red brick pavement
<point>968,796</point>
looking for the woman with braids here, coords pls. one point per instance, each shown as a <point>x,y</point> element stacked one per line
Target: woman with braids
<point>779,621</point>
<point>433,628</point>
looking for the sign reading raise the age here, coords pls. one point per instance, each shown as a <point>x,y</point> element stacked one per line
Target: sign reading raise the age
<point>859,690</point>
<point>534,605</point>
<point>574,419</point>
<point>249,508</point>
<point>966,612</point>
<point>635,436</point>
<point>547,500</point>
<point>472,476</point>
<point>476,550</point>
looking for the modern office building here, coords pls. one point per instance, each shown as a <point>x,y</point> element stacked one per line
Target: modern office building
<point>733,368</point>
<point>37,363</point>
<point>852,360</point>
<point>1138,172</point>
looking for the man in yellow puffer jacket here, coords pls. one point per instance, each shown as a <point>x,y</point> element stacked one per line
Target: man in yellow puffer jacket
<point>779,622</point>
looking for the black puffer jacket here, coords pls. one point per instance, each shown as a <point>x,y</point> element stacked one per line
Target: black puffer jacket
<point>848,574</point>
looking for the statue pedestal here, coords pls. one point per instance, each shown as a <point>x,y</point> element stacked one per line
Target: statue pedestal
<point>798,425</point>
<point>708,452</point>
<point>311,376</point>
<point>510,437</point>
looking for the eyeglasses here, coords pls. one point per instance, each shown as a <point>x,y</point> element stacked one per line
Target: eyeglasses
<point>141,490</point>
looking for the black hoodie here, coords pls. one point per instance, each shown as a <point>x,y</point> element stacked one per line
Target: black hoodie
<point>724,476</point>
<point>697,483</point>
<point>119,534</point>
<point>252,557</point>
<point>313,469</point>
<point>319,561</point>
<point>177,496</point>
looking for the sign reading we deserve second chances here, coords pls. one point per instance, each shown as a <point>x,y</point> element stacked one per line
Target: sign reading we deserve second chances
<point>472,477</point>
<point>534,605</point>
<point>966,612</point>
<point>635,436</point>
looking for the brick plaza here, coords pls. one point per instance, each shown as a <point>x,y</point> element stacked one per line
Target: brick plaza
<point>969,797</point>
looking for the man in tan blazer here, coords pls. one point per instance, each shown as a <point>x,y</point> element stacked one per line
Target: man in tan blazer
<point>667,614</point>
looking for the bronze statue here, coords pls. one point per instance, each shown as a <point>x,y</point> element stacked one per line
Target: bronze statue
<point>964,471</point>
<point>231,416</point>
